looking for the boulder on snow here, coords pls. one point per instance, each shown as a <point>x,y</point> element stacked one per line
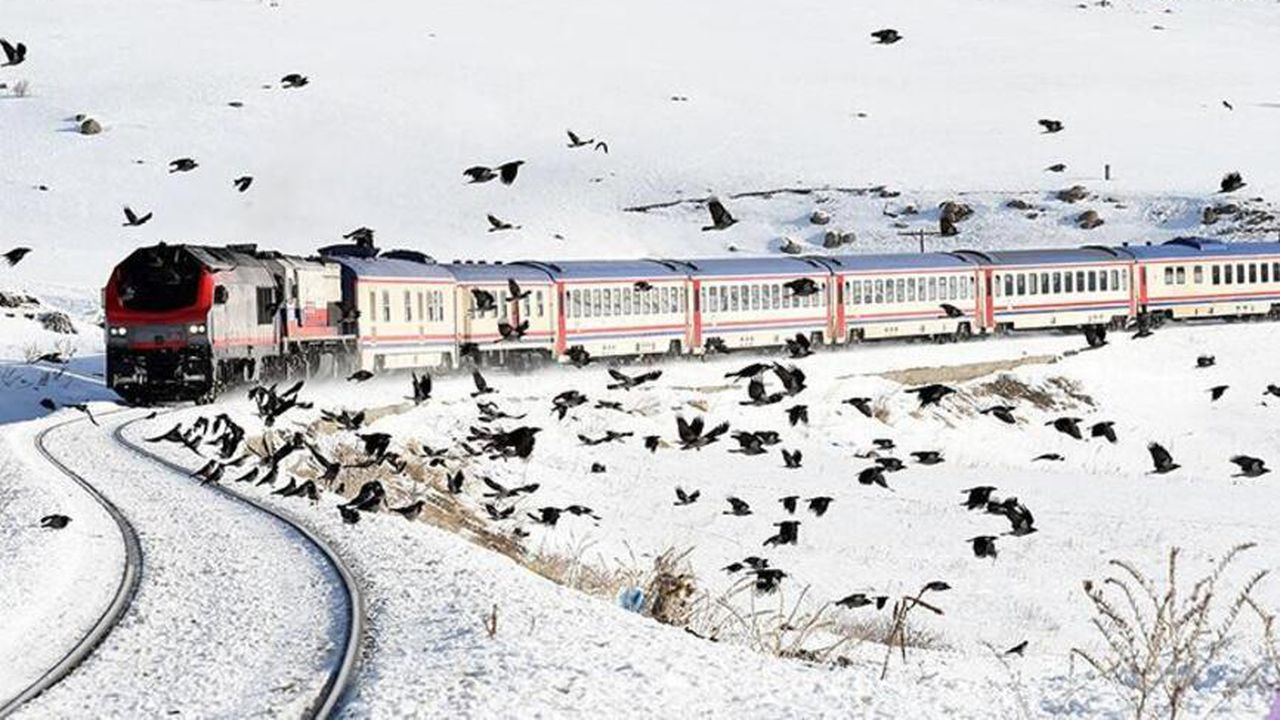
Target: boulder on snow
<point>1073,194</point>
<point>910,210</point>
<point>1209,216</point>
<point>57,322</point>
<point>1088,220</point>
<point>13,300</point>
<point>90,127</point>
<point>833,239</point>
<point>1018,204</point>
<point>819,217</point>
<point>790,246</point>
<point>954,211</point>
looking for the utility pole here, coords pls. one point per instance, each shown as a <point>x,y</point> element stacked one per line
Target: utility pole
<point>920,235</point>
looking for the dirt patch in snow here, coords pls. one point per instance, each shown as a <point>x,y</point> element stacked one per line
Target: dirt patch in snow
<point>962,373</point>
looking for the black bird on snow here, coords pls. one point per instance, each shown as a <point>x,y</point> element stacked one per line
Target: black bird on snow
<point>1161,458</point>
<point>14,256</point>
<point>818,505</point>
<point>1227,105</point>
<point>884,443</point>
<point>548,516</point>
<point>931,394</point>
<point>579,356</point>
<point>799,347</point>
<point>375,444</point>
<point>1050,126</point>
<point>927,457</point>
<point>294,80</point>
<point>53,358</point>
<point>1003,413</point>
<point>410,511</point>
<point>360,376</point>
<point>862,404</point>
<point>737,507</point>
<point>651,442</point>
<point>608,437</point>
<point>686,498</point>
<point>602,146</point>
<point>1019,516</point>
<point>984,546</point>
<point>1068,426</point>
<point>720,217</point>
<point>54,522</point>
<point>797,414</point>
<point>421,387</point>
<point>791,459</point>
<point>1018,649</point>
<point>360,236</point>
<point>750,371</point>
<point>789,503</point>
<point>269,478</point>
<point>350,515</point>
<point>801,287</point>
<point>289,490</point>
<point>861,600</point>
<point>13,54</point>
<point>565,401</point>
<point>453,483</point>
<point>182,165</point>
<point>505,172</point>
<point>788,533</point>
<point>890,464</point>
<point>482,386</point>
<point>1231,182</point>
<point>1272,390</point>
<point>978,497</point>
<point>329,468</point>
<point>242,183</point>
<point>1216,392</point>
<point>212,472</point>
<point>497,225</point>
<point>873,475</point>
<point>1105,429</point>
<point>1051,457</point>
<point>625,382</point>
<point>1056,167</point>
<point>692,436</point>
<point>887,36</point>
<point>749,443</point>
<point>84,409</point>
<point>609,405</point>
<point>501,492</point>
<point>133,219</point>
<point>577,142</point>
<point>1205,361</point>
<point>951,311</point>
<point>247,477</point>
<point>792,378</point>
<point>642,286</point>
<point>483,300</point>
<point>497,513</point>
<point>1250,467</point>
<point>510,332</point>
<point>767,579</point>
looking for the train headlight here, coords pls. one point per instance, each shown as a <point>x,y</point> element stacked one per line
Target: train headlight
<point>196,329</point>
<point>119,331</point>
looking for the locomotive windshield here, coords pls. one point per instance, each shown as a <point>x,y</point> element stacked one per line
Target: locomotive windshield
<point>159,279</point>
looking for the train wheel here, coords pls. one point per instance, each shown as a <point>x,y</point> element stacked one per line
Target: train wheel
<point>963,332</point>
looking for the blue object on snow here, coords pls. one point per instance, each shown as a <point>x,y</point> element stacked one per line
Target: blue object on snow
<point>631,599</point>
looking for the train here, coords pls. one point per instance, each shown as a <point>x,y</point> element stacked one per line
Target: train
<point>183,322</point>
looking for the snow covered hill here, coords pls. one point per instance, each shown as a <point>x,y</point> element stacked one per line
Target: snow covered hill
<point>717,97</point>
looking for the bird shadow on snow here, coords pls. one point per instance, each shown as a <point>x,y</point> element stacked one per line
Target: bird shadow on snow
<point>23,386</point>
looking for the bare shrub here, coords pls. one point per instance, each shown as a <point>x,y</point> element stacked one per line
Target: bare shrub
<point>20,89</point>
<point>1162,641</point>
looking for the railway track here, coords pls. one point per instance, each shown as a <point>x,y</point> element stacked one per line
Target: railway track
<point>343,669</point>
<point>125,591</point>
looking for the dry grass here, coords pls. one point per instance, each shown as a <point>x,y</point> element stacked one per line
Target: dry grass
<point>962,373</point>
<point>1010,388</point>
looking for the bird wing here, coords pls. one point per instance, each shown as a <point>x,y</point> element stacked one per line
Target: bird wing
<point>9,51</point>
<point>719,214</point>
<point>616,375</point>
<point>479,381</point>
<point>573,137</point>
<point>130,215</point>
<point>755,389</point>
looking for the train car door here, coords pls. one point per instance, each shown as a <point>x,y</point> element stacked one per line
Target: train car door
<point>988,300</point>
<point>561,330</point>
<point>695,317</point>
<point>837,332</point>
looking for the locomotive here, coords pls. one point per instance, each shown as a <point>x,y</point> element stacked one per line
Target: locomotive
<point>185,321</point>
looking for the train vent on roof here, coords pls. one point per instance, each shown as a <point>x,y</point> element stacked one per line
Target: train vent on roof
<point>250,248</point>
<point>411,256</point>
<point>1103,248</point>
<point>1195,243</point>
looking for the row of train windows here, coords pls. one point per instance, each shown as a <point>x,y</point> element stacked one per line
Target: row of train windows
<point>1224,274</point>
<point>1061,282</point>
<point>859,292</point>
<point>429,304</point>
<point>735,298</point>
<point>620,302</point>
<point>502,300</point>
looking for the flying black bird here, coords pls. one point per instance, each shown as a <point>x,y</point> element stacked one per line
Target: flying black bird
<point>375,444</point>
<point>801,287</point>
<point>360,236</point>
<point>242,183</point>
<point>927,457</point>
<point>511,332</point>
<point>562,403</point>
<point>53,358</point>
<point>692,436</point>
<point>453,483</point>
<point>410,511</point>
<point>873,475</point>
<point>1205,361</point>
<point>247,477</point>
<point>860,600</point>
<point>951,310</point>
<point>576,142</point>
<point>1161,458</point>
<point>548,516</point>
<point>643,286</point>
<point>609,405</point>
<point>1216,392</point>
<point>931,394</point>
<point>788,533</point>
<point>984,546</point>
<point>1067,426</point>
<point>887,36</point>
<point>329,468</point>
<point>720,217</point>
<point>482,386</point>
<point>861,403</point>
<point>651,442</point>
<point>978,497</point>
<point>496,513</point>
<point>791,459</point>
<point>797,414</point>
<point>13,54</point>
<point>1057,167</point>
<point>1051,457</point>
<point>686,498</point>
<point>1019,517</point>
<point>294,80</point>
<point>608,437</point>
<point>789,503</point>
<point>579,356</point>
<point>737,507</point>
<point>767,579</point>
<point>1003,413</point>
<point>1231,182</point>
<point>1105,429</point>
<point>421,387</point>
<point>506,172</point>
<point>1272,390</point>
<point>626,383</point>
<point>483,300</point>
<point>132,219</point>
<point>479,174</point>
<point>182,165</point>
<point>1227,105</point>
<point>501,492</point>
<point>799,347</point>
<point>749,371</point>
<point>890,464</point>
<point>884,443</point>
<point>14,256</point>
<point>749,443</point>
<point>360,376</point>
<point>818,505</point>
<point>757,395</point>
<point>602,146</point>
<point>792,378</point>
<point>515,443</point>
<point>1050,126</point>
<point>350,515</point>
<point>514,292</point>
<point>82,407</point>
<point>54,522</point>
<point>496,224</point>
<point>1250,467</point>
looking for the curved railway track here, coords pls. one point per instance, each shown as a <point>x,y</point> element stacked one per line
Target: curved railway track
<point>120,601</point>
<point>343,670</point>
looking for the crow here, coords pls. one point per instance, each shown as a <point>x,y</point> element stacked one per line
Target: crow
<point>797,414</point>
<point>483,300</point>
<point>421,387</point>
<point>562,403</point>
<point>410,511</point>
<point>511,332</point>
<point>1057,167</point>
<point>579,356</point>
<point>82,407</point>
<point>346,419</point>
<point>1272,390</point>
<point>1018,649</point>
<point>686,498</point>
<point>1051,457</point>
<point>788,533</point>
<point>1205,361</point>
<point>818,505</point>
<point>758,395</point>
<point>13,54</point>
<point>247,477</point>
<point>329,468</point>
<point>211,472</point>
<point>497,225</point>
<point>978,497</point>
<point>749,443</point>
<point>360,236</point>
<point>453,483</point>
<point>737,507</point>
<point>642,286</point>
<point>1250,467</point>
<point>501,492</point>
<point>931,394</point>
<point>489,412</point>
<point>514,292</point>
<point>182,165</point>
<point>984,546</point>
<point>884,443</point>
<point>652,442</point>
<point>1161,458</point>
<point>767,579</point>
<point>608,437</point>
<point>1067,426</point>
<point>496,513</point>
<point>548,516</point>
<point>576,142</point>
<point>873,475</point>
<point>799,347</point>
<point>887,36</point>
<point>792,378</point>
<point>801,287</point>
<point>294,80</point>
<point>375,444</point>
<point>951,311</point>
<point>53,358</point>
<point>1216,392</point>
<point>927,457</point>
<point>791,459</point>
<point>692,436</point>
<point>859,600</point>
<point>14,256</point>
<point>54,522</point>
<point>242,183</point>
<point>1019,517</point>
<point>602,146</point>
<point>720,217</point>
<point>288,490</point>
<point>789,503</point>
<point>482,386</point>
<point>507,171</point>
<point>350,515</point>
<point>609,405</point>
<point>861,403</point>
<point>1231,182</point>
<point>1105,429</point>
<point>890,464</point>
<point>132,219</point>
<point>360,376</point>
<point>479,174</point>
<point>626,383</point>
<point>750,371</point>
<point>1227,105</point>
<point>1050,126</point>
<point>1003,413</point>
<point>516,443</point>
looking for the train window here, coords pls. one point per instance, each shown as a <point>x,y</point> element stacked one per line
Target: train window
<point>1044,283</point>
<point>373,304</point>
<point>854,293</point>
<point>879,295</point>
<point>597,308</point>
<point>626,301</point>
<point>902,290</point>
<point>682,300</point>
<point>968,287</point>
<point>386,306</point>
<point>1032,285</point>
<point>1240,274</point>
<point>755,297</point>
<point>538,296</point>
<point>1180,275</point>
<point>1093,281</point>
<point>1067,285</point>
<point>1197,274</point>
<point>733,298</point>
<point>1253,273</point>
<point>422,306</point>
<point>1008,284</point>
<point>526,308</point>
<point>1227,277</point>
<point>933,288</point>
<point>1216,274</point>
<point>1021,284</point>
<point>616,294</point>
<point>266,305</point>
<point>1102,280</point>
<point>724,299</point>
<point>1168,275</point>
<point>713,302</point>
<point>408,306</point>
<point>1263,271</point>
<point>911,290</point>
<point>953,287</point>
<point>866,292</point>
<point>1275,272</point>
<point>889,295</point>
<point>1080,281</point>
